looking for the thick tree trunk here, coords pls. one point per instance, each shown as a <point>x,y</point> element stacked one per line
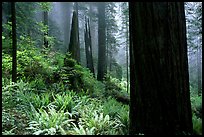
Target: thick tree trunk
<point>77,20</point>
<point>14,42</point>
<point>66,8</point>
<point>159,80</point>
<point>74,41</point>
<point>101,42</point>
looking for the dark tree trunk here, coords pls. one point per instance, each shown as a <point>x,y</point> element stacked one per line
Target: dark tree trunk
<point>101,42</point>
<point>159,80</point>
<point>88,46</point>
<point>74,41</point>
<point>14,42</point>
<point>77,20</point>
<point>45,17</point>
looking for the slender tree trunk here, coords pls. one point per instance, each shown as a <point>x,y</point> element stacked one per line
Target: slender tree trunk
<point>88,46</point>
<point>101,42</point>
<point>159,80</point>
<point>127,45</point>
<point>14,42</point>
<point>45,17</point>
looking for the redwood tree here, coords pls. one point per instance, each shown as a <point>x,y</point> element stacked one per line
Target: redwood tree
<point>101,42</point>
<point>74,47</point>
<point>159,80</point>
<point>88,46</point>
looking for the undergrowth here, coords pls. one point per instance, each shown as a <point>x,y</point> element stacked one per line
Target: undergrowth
<point>56,96</point>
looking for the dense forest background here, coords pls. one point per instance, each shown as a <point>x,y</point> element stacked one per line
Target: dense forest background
<point>68,68</point>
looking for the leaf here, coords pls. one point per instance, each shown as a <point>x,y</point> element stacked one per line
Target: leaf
<point>38,132</point>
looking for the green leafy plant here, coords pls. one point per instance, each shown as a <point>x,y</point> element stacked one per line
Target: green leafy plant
<point>50,121</point>
<point>81,131</point>
<point>64,102</point>
<point>197,125</point>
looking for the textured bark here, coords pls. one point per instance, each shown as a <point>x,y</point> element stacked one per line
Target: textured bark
<point>45,17</point>
<point>74,47</point>
<point>77,20</point>
<point>101,42</point>
<point>14,42</point>
<point>88,46</point>
<point>159,80</point>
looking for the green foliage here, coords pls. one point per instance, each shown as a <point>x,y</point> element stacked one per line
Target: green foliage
<point>114,84</point>
<point>46,6</point>
<point>46,99</point>
<point>64,102</point>
<point>68,61</point>
<point>6,65</point>
<point>196,106</point>
<point>6,38</point>
<point>49,122</point>
<point>117,110</point>
<point>82,131</point>
<point>197,125</point>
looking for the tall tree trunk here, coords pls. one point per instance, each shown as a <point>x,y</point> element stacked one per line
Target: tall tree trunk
<point>86,37</point>
<point>66,8</point>
<point>14,42</point>
<point>77,20</point>
<point>45,17</point>
<point>94,36</point>
<point>127,45</point>
<point>91,55</point>
<point>88,46</point>
<point>159,79</point>
<point>101,42</point>
<point>74,41</point>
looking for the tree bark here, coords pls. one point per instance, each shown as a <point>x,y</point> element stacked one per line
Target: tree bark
<point>127,55</point>
<point>88,46</point>
<point>159,80</point>
<point>14,42</point>
<point>101,42</point>
<point>74,47</point>
<point>77,20</point>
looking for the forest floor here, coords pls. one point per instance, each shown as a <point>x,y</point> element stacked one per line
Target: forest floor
<point>51,98</point>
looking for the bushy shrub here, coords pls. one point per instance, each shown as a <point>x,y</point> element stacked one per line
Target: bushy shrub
<point>6,65</point>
